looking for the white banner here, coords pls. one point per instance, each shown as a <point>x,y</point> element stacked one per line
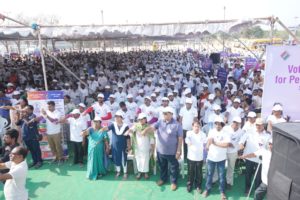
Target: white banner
<point>282,81</point>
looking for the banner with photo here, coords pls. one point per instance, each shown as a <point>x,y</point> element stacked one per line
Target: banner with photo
<point>39,99</point>
<point>282,81</point>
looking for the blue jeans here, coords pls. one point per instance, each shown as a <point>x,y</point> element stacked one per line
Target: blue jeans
<point>163,162</point>
<point>210,173</point>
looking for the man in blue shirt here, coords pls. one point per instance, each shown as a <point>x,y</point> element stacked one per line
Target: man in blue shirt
<point>4,101</point>
<point>169,146</point>
<point>29,126</point>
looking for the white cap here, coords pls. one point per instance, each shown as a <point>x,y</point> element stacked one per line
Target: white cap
<point>97,118</point>
<point>165,99</point>
<point>75,111</point>
<point>277,107</point>
<point>187,91</point>
<point>157,90</point>
<point>120,86</point>
<point>237,100</point>
<point>67,84</point>
<point>189,100</point>
<point>93,76</point>
<point>237,119</point>
<point>54,80</point>
<point>107,87</point>
<point>175,91</point>
<point>149,80</point>
<point>204,85</point>
<point>129,96</point>
<point>141,91</point>
<point>82,105</point>
<point>120,113</point>
<point>168,110</point>
<point>142,116</point>
<point>211,96</point>
<point>10,85</point>
<point>147,97</point>
<point>100,95</point>
<point>172,83</point>
<point>219,119</point>
<point>170,94</point>
<point>259,121</point>
<point>112,96</point>
<point>16,93</point>
<point>153,95</point>
<point>82,77</point>
<point>184,86</point>
<point>216,107</point>
<point>251,114</point>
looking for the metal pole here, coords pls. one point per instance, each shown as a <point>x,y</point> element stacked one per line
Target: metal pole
<point>272,29</point>
<point>66,68</point>
<point>104,46</point>
<point>223,34</point>
<point>287,30</point>
<point>43,61</point>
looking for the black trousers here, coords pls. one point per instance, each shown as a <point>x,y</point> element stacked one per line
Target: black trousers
<point>194,173</point>
<point>35,150</point>
<point>78,152</point>
<point>250,171</point>
<point>165,162</point>
<point>184,146</point>
<point>260,192</point>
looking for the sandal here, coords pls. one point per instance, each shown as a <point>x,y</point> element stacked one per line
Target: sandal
<point>138,177</point>
<point>223,196</point>
<point>146,176</point>
<point>117,175</point>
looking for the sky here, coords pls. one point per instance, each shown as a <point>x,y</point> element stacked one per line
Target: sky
<point>152,11</point>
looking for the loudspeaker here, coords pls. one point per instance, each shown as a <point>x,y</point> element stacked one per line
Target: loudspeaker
<point>284,171</point>
<point>215,57</point>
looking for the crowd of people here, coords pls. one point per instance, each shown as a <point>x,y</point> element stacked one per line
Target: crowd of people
<point>162,105</point>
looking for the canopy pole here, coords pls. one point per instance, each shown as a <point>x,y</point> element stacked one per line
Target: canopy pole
<point>287,29</point>
<point>42,59</point>
<point>66,68</point>
<point>272,29</point>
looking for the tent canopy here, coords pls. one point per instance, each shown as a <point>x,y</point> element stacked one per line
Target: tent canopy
<point>163,30</point>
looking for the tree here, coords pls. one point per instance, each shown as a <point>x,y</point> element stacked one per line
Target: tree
<point>254,32</point>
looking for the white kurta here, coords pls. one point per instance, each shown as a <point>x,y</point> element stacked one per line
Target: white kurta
<point>142,152</point>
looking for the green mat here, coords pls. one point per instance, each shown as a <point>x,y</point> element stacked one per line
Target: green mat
<point>69,183</point>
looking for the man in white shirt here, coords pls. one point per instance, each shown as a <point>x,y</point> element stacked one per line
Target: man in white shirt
<point>255,141</point>
<point>234,111</point>
<point>250,126</point>
<point>15,179</point>
<point>77,125</point>
<point>148,110</point>
<point>83,92</point>
<point>100,108</point>
<point>52,117</point>
<point>112,104</point>
<point>276,117</point>
<point>120,95</point>
<point>131,106</point>
<point>235,133</point>
<point>266,155</point>
<point>93,84</point>
<point>195,139</point>
<point>187,116</point>
<point>217,144</point>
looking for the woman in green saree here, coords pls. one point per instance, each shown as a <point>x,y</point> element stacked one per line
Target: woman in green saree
<point>98,145</point>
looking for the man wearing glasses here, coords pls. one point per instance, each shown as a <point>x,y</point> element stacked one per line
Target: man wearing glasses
<point>14,187</point>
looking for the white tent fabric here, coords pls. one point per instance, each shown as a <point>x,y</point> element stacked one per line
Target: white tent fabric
<point>125,31</point>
